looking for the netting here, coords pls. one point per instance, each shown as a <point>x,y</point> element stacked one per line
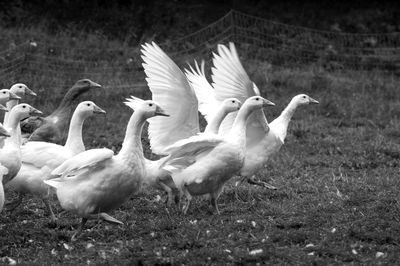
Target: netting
<point>52,64</point>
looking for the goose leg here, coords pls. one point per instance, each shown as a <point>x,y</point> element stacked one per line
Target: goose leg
<point>188,201</point>
<point>46,202</point>
<point>10,206</point>
<point>252,180</point>
<point>213,201</point>
<point>168,190</point>
<point>79,229</point>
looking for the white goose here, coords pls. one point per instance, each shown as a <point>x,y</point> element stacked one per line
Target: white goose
<point>40,158</point>
<point>3,170</point>
<point>20,90</point>
<point>203,163</point>
<point>97,181</point>
<point>231,80</point>
<point>169,86</point>
<point>10,154</point>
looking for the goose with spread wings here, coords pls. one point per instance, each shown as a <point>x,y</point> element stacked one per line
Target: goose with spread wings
<point>231,80</point>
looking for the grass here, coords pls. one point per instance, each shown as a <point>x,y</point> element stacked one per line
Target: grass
<point>338,179</point>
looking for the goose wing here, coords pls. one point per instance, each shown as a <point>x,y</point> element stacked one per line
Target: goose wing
<point>43,154</point>
<point>172,90</point>
<point>186,152</point>
<point>204,91</point>
<point>30,124</point>
<point>82,162</point>
<point>231,80</point>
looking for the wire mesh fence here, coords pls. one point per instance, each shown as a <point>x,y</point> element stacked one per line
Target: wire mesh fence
<point>258,39</point>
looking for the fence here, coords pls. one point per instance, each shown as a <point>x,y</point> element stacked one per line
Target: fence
<point>257,38</point>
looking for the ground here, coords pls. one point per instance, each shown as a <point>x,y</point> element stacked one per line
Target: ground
<point>337,200</point>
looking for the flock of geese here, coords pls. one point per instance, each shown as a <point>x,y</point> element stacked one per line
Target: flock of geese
<point>237,140</point>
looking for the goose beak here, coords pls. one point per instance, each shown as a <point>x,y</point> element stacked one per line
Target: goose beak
<point>98,110</point>
<point>14,96</point>
<point>3,108</point>
<point>160,111</point>
<point>34,111</point>
<point>313,101</point>
<point>4,132</point>
<point>94,85</point>
<point>267,103</point>
<point>239,105</point>
<point>30,92</point>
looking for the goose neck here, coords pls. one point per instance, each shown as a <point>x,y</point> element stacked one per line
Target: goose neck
<point>288,112</point>
<point>13,124</point>
<point>69,97</point>
<point>238,131</point>
<point>74,140</point>
<point>132,145</point>
<point>215,122</point>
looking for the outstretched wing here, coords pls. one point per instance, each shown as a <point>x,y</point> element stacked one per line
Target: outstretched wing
<point>231,80</point>
<point>172,90</point>
<point>205,93</point>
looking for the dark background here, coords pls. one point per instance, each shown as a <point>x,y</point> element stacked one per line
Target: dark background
<point>138,20</point>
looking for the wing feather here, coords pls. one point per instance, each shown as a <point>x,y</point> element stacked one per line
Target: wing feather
<point>82,162</point>
<point>230,80</point>
<point>186,152</point>
<point>172,90</point>
<point>205,93</point>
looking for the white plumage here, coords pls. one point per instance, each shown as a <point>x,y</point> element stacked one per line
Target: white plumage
<point>40,158</point>
<point>10,154</point>
<point>170,87</point>
<point>97,181</point>
<point>262,140</point>
<point>203,163</point>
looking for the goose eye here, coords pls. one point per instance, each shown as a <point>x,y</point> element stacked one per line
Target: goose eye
<point>304,97</point>
<point>257,99</point>
<point>23,106</point>
<point>88,104</point>
<point>150,104</point>
<point>233,101</point>
<point>20,87</point>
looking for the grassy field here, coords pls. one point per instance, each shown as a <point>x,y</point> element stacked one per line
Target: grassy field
<point>337,202</point>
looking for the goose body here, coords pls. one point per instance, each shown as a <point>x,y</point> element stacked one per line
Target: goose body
<point>258,155</point>
<point>40,158</point>
<point>202,164</point>
<point>10,154</point>
<point>231,80</point>
<point>3,170</point>
<point>53,127</point>
<point>97,181</point>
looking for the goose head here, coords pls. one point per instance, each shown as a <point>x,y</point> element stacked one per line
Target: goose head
<point>231,105</point>
<point>147,108</point>
<point>303,99</point>
<point>21,89</point>
<point>24,110</point>
<point>256,102</point>
<point>7,95</point>
<point>88,108</point>
<point>85,84</point>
